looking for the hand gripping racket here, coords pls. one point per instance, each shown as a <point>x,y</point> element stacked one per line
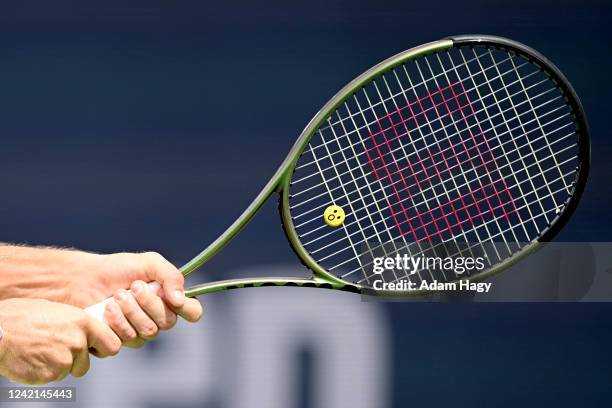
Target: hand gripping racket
<point>459,143</point>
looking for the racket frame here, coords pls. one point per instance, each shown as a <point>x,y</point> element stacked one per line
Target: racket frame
<point>281,180</point>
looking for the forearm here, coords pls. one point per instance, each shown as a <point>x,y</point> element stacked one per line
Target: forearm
<point>45,273</point>
<point>2,344</point>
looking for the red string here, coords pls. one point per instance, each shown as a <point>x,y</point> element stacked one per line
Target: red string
<point>452,207</point>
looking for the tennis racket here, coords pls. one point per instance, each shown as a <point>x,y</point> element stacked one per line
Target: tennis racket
<point>472,144</point>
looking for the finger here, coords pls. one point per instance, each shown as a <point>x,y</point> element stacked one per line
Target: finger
<point>135,344</point>
<point>140,321</point>
<point>80,366</point>
<point>171,280</point>
<point>191,311</point>
<point>101,339</point>
<point>118,322</point>
<point>62,374</point>
<point>153,305</point>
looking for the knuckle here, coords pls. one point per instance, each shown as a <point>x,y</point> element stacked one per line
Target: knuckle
<point>154,256</point>
<point>130,309</point>
<point>121,328</point>
<point>168,323</point>
<point>135,283</point>
<point>118,293</point>
<point>144,298</point>
<point>114,347</point>
<point>82,319</point>
<point>78,344</point>
<point>129,334</point>
<point>47,376</point>
<point>65,363</point>
<point>149,331</point>
<point>113,320</point>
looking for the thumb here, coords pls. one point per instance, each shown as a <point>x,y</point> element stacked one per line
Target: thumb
<point>171,280</point>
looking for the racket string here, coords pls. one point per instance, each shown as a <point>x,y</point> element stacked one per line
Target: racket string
<point>348,236</point>
<point>521,207</point>
<point>299,215</point>
<point>464,152</point>
<point>361,197</point>
<point>357,129</point>
<point>513,140</point>
<point>369,186</point>
<point>455,98</point>
<point>377,104</point>
<point>296,194</point>
<point>537,118</point>
<point>413,185</point>
<point>485,212</point>
<point>413,219</point>
<point>448,109</point>
<point>490,240</point>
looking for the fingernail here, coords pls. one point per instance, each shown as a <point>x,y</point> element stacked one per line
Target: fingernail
<point>179,295</point>
<point>121,295</point>
<point>138,286</point>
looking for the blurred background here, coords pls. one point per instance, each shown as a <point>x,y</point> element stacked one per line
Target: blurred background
<point>130,126</point>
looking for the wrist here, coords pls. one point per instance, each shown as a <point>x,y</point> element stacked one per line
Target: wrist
<point>86,278</point>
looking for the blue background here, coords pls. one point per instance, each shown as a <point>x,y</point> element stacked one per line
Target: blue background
<point>136,126</point>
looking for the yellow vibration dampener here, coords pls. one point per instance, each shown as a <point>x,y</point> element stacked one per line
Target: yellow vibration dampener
<point>334,216</point>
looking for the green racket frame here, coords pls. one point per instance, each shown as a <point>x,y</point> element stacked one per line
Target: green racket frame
<point>280,182</point>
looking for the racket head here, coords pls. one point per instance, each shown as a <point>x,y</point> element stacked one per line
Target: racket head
<point>518,101</point>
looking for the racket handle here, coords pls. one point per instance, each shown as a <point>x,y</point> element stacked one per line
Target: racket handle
<point>98,309</point>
